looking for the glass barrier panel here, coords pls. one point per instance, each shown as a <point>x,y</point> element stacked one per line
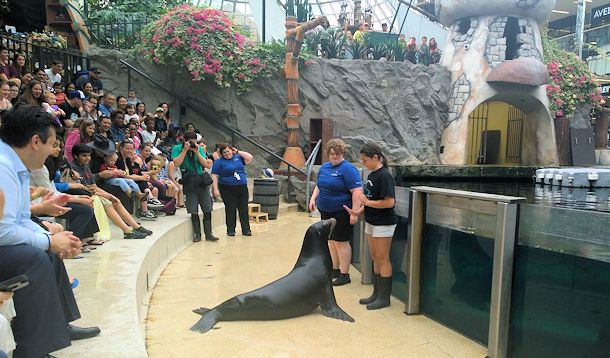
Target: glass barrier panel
<point>561,284</point>
<point>457,264</point>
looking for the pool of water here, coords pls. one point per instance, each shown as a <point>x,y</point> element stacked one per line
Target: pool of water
<point>561,277</point>
<point>591,199</point>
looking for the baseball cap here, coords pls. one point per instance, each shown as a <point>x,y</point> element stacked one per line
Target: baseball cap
<point>159,109</point>
<point>95,70</point>
<point>76,94</point>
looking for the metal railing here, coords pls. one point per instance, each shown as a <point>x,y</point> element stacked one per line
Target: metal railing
<point>505,210</point>
<point>121,34</point>
<point>309,166</point>
<point>40,56</point>
<point>212,116</point>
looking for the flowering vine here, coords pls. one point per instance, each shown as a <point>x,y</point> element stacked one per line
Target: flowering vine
<point>570,81</point>
<point>208,44</point>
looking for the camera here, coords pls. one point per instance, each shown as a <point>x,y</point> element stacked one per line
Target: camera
<point>192,144</point>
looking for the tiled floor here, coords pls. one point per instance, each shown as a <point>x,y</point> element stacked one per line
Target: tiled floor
<point>206,274</point>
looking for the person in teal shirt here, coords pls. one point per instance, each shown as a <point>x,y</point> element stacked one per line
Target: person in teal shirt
<point>191,159</point>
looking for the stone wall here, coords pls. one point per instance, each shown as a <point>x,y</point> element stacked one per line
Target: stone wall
<point>402,106</point>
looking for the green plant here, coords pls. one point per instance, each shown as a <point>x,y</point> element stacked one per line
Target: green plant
<point>206,42</point>
<point>379,50</point>
<point>301,9</point>
<point>313,39</point>
<point>332,43</point>
<point>399,51</point>
<point>570,80</point>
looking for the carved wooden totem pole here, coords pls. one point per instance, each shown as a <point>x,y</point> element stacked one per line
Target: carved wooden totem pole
<point>295,33</point>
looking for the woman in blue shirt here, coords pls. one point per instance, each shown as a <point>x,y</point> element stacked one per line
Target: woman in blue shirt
<point>230,182</point>
<point>338,184</point>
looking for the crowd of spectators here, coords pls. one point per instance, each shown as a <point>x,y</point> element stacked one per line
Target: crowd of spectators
<point>74,157</point>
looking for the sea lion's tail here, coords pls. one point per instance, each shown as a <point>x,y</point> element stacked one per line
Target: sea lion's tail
<point>206,322</point>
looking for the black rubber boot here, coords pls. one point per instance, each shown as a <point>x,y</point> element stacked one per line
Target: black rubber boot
<point>207,227</point>
<point>373,297</point>
<point>196,227</point>
<point>383,297</point>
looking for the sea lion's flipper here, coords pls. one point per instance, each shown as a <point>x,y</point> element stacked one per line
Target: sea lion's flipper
<point>338,313</point>
<point>201,310</point>
<point>329,305</point>
<point>206,322</point>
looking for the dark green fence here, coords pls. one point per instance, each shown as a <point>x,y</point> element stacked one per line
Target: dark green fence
<point>117,34</point>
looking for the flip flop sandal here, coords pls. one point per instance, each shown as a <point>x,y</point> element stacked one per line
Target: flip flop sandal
<point>74,283</point>
<point>95,243</point>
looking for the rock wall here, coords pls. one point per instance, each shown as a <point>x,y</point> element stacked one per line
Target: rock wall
<point>402,106</point>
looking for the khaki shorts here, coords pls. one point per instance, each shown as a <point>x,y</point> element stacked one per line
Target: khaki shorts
<point>379,230</point>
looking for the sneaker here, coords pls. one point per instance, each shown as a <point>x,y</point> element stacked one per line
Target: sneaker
<point>144,230</point>
<point>159,213</point>
<point>146,215</point>
<point>343,279</point>
<point>134,235</point>
<point>248,233</point>
<point>154,204</point>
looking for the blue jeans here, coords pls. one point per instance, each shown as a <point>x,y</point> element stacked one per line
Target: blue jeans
<point>125,184</point>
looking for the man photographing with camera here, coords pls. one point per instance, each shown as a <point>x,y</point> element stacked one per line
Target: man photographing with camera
<point>192,160</point>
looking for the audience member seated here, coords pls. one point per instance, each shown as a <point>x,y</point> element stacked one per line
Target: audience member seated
<point>103,128</point>
<point>128,186</point>
<point>50,106</point>
<point>5,93</point>
<point>81,133</point>
<point>60,95</point>
<point>117,130</point>
<point>54,73</point>
<point>71,108</point>
<point>107,105</point>
<point>81,219</point>
<point>92,77</point>
<point>132,98</point>
<point>32,94</point>
<point>126,162</point>
<point>47,305</point>
<point>149,135</point>
<point>8,72</point>
<point>19,63</point>
<point>14,97</point>
<point>41,76</point>
<point>112,205</point>
<point>94,114</point>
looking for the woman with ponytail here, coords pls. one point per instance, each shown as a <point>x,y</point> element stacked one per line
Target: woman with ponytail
<point>378,207</point>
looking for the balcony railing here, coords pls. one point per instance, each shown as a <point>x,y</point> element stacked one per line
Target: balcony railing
<point>39,56</point>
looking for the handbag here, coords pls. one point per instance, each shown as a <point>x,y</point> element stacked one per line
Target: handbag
<point>196,180</point>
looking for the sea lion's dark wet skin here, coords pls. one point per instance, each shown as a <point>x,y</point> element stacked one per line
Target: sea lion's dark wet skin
<point>307,287</point>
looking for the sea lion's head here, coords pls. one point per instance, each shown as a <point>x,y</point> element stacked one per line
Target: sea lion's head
<point>321,229</point>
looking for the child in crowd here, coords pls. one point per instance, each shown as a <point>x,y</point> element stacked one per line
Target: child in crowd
<point>60,96</point>
<point>149,135</point>
<point>70,87</point>
<point>50,106</point>
<point>169,201</point>
<point>131,113</point>
<point>128,186</point>
<point>132,99</point>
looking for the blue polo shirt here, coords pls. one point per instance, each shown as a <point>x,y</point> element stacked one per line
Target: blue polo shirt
<point>334,184</point>
<point>226,169</point>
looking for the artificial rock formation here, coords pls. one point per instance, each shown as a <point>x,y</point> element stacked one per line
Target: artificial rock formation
<point>400,105</point>
<point>495,54</point>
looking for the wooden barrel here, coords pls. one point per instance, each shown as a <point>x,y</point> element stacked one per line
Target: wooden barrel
<point>267,193</point>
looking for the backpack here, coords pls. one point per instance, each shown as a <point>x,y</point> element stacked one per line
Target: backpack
<point>169,206</point>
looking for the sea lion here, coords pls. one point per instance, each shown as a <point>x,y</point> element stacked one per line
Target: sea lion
<point>298,293</point>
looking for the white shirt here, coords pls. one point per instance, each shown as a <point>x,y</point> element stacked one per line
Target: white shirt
<point>52,77</point>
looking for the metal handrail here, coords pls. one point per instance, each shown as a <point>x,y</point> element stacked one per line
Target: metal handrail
<point>209,115</point>
<point>309,165</point>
